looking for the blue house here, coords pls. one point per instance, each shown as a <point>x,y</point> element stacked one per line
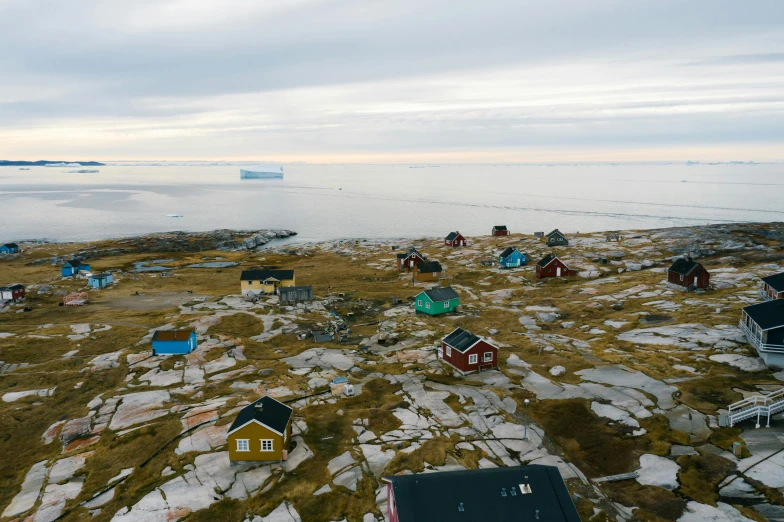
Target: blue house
<point>173,342</point>
<point>100,280</point>
<point>73,267</point>
<point>9,248</point>
<point>511,257</point>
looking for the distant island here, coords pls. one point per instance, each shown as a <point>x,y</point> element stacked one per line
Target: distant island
<point>43,163</point>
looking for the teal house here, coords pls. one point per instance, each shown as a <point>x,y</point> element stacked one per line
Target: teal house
<point>173,342</point>
<point>100,280</point>
<point>511,257</point>
<point>73,267</point>
<point>9,248</point>
<point>437,301</point>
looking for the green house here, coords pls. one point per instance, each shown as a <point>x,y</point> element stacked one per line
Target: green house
<point>437,301</point>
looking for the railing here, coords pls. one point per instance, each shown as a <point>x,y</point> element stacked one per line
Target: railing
<point>757,343</point>
<point>756,406</point>
<point>765,295</point>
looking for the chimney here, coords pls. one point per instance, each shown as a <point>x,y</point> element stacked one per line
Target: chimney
<point>259,405</point>
<point>525,487</point>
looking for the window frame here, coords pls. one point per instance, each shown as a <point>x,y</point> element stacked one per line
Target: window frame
<point>271,445</point>
<point>446,303</point>
<point>448,351</point>
<point>485,357</point>
<point>247,445</point>
<point>427,305</point>
<point>419,302</point>
<point>473,358</point>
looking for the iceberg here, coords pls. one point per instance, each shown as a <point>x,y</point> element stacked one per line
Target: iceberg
<point>83,171</point>
<point>269,171</point>
<point>63,165</point>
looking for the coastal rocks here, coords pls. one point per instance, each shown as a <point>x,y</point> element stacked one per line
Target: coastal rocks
<point>283,513</point>
<point>611,412</point>
<point>322,358</point>
<point>619,375</point>
<point>31,488</point>
<point>696,512</point>
<point>747,364</point>
<point>691,336</point>
<point>136,408</point>
<point>658,471</point>
<point>203,440</point>
<point>15,396</point>
<point>689,421</point>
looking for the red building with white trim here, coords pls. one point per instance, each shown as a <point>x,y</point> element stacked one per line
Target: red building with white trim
<point>455,239</point>
<point>467,353</point>
<point>551,266</point>
<point>500,231</point>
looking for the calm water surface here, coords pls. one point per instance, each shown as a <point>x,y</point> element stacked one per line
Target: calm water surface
<point>382,201</point>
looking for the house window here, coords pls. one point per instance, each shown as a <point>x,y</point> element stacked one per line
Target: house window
<point>448,351</point>
<point>681,278</point>
<point>427,305</point>
<point>488,356</point>
<point>446,304</point>
<point>419,303</point>
<point>472,359</point>
<point>242,445</point>
<point>266,444</point>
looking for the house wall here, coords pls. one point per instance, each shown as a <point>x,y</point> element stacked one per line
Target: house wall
<point>426,276</point>
<point>391,504</point>
<point>12,294</point>
<point>175,347</point>
<point>435,308</point>
<point>515,259</point>
<point>458,241</point>
<point>499,233</point>
<point>255,433</point>
<point>771,292</point>
<point>460,360</point>
<point>703,278</point>
<point>551,270</point>
<point>404,265</point>
<point>257,287</point>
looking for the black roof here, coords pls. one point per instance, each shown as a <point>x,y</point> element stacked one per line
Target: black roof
<point>499,227</point>
<point>441,294</point>
<point>461,340</point>
<point>75,262</point>
<point>273,414</point>
<point>439,496</point>
<point>684,266</point>
<point>11,245</point>
<point>429,266</point>
<point>508,251</point>
<point>14,287</point>
<point>775,281</point>
<point>452,235</point>
<point>262,275</point>
<point>99,276</point>
<point>767,315</point>
<point>556,231</point>
<point>546,260</point>
<point>412,251</point>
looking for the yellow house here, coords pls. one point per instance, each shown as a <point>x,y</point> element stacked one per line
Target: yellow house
<point>261,431</point>
<point>265,281</point>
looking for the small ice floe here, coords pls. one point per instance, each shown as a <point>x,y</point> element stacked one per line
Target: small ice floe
<point>174,215</point>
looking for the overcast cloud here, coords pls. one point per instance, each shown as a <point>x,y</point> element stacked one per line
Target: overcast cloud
<point>397,80</point>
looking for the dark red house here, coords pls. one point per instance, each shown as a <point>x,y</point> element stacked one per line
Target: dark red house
<point>467,353</point>
<point>406,262</point>
<point>773,287</point>
<point>12,292</point>
<point>500,231</point>
<point>455,239</point>
<point>532,493</point>
<point>551,266</point>
<point>685,274</point>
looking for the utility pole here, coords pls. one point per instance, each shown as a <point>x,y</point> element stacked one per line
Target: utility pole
<point>525,432</point>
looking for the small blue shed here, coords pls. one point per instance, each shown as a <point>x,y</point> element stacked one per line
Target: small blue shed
<point>100,280</point>
<point>173,342</point>
<point>73,267</point>
<point>511,257</point>
<point>9,248</point>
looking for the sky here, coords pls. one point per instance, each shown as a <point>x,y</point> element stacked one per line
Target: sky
<point>386,81</point>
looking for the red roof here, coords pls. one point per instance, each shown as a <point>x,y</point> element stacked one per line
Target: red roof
<point>172,335</point>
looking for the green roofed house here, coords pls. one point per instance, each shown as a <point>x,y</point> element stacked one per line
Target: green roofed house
<point>437,301</point>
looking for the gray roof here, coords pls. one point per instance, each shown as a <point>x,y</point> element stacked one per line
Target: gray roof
<point>546,260</point>
<point>684,266</point>
<point>429,266</point>
<point>441,294</point>
<point>556,232</point>
<point>452,236</point>
<point>461,340</point>
<point>508,251</point>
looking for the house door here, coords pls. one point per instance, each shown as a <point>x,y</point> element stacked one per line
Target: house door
<point>412,263</point>
<point>695,281</point>
<point>440,352</point>
<point>558,272</point>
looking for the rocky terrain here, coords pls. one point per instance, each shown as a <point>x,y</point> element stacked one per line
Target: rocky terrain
<point>625,378</point>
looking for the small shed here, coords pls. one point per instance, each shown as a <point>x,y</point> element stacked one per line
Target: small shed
<point>499,231</point>
<point>295,294</point>
<point>551,266</point>
<point>773,287</point>
<point>173,342</point>
<point>455,239</point>
<point>686,274</point>
<point>427,271</point>
<point>437,301</point>
<point>100,280</point>
<point>511,257</point>
<point>467,353</point>
<point>73,266</point>
<point>9,248</point>
<point>556,238</point>
<point>12,292</point>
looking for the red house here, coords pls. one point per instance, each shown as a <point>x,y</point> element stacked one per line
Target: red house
<point>12,292</point>
<point>406,262</point>
<point>455,239</point>
<point>685,274</point>
<point>773,287</point>
<point>499,231</point>
<point>551,266</point>
<point>467,353</point>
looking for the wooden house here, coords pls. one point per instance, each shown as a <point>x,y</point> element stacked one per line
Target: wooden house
<point>551,266</point>
<point>9,248</point>
<point>12,293</point>
<point>254,282</point>
<point>510,257</point>
<point>261,432</point>
<point>437,301</point>
<point>407,261</point>
<point>773,287</point>
<point>556,238</point>
<point>455,239</point>
<point>427,271</point>
<point>686,274</point>
<point>499,231</point>
<point>177,342</point>
<point>467,353</point>
<point>72,267</point>
<point>763,325</point>
<point>532,493</point>
<point>100,280</point>
<point>290,295</point>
